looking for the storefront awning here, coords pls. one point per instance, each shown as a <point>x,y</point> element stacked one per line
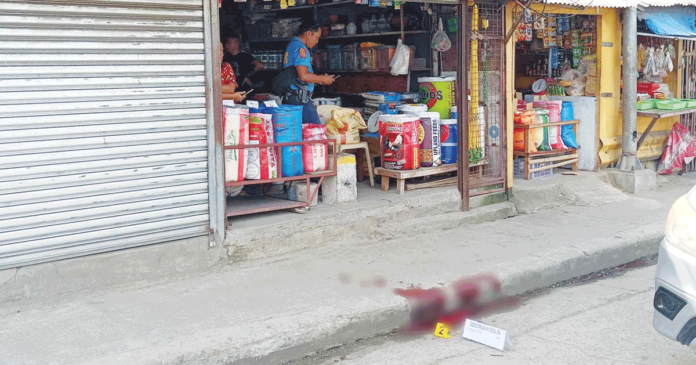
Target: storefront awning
<point>673,21</point>
<point>621,3</point>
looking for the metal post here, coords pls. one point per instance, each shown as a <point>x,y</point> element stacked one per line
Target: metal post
<point>629,157</point>
<point>216,178</point>
<point>463,103</point>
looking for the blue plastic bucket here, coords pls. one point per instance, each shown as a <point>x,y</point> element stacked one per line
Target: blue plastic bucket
<point>449,134</point>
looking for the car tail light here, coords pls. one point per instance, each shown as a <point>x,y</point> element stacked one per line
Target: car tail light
<point>668,303</point>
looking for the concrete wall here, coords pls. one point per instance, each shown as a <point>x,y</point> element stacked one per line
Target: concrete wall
<point>156,262</point>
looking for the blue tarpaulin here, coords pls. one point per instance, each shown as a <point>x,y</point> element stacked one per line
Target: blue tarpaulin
<point>674,21</point>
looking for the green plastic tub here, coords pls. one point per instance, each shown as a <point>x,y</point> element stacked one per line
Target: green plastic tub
<point>646,104</point>
<point>690,103</point>
<point>671,104</point>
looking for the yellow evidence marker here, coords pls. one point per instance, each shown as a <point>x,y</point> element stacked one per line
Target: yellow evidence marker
<point>442,331</point>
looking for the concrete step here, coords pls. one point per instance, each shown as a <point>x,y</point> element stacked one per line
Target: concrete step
<point>377,215</point>
<point>586,189</point>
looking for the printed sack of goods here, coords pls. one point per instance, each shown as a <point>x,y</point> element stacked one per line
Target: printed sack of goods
<point>548,138</point>
<point>398,137</point>
<point>262,163</point>
<point>559,137</point>
<point>315,156</point>
<point>236,132</point>
<point>525,117</point>
<point>345,126</point>
<point>429,139</point>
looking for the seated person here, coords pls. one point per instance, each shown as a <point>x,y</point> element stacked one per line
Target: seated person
<point>244,65</point>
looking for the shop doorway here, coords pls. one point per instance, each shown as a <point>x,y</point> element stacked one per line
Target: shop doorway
<point>556,79</point>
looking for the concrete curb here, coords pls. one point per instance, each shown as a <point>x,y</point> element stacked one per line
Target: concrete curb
<point>526,274</point>
<point>305,232</point>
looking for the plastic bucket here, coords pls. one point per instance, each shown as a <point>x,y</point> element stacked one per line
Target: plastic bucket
<point>449,135</point>
<point>438,93</point>
<point>413,108</point>
<point>398,137</point>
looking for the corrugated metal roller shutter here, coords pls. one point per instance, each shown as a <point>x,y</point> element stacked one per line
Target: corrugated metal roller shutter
<point>102,126</point>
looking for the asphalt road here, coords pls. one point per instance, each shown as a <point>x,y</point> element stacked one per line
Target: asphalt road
<point>606,321</point>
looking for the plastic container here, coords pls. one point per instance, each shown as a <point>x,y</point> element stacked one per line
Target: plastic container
<point>384,56</point>
<point>438,93</point>
<point>519,169</point>
<point>413,108</point>
<point>368,59</point>
<point>646,104</point>
<point>449,135</point>
<point>670,104</point>
<point>351,59</point>
<point>335,58</point>
<point>690,103</point>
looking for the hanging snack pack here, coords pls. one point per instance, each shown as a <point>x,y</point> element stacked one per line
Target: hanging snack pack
<point>398,137</point>
<point>262,163</point>
<point>429,139</point>
<point>236,132</point>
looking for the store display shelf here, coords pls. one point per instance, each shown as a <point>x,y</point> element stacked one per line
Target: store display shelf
<point>301,7</point>
<point>546,160</point>
<point>333,3</point>
<point>361,71</point>
<point>270,40</point>
<point>266,205</point>
<point>244,205</point>
<point>375,34</point>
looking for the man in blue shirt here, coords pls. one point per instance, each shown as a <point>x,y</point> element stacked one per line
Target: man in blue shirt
<point>297,54</point>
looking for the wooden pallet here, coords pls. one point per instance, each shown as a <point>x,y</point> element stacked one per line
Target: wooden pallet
<point>402,175</point>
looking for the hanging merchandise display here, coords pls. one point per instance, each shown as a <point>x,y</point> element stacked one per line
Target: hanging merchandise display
<point>475,142</point>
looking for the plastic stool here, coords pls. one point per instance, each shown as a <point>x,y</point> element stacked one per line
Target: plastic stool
<point>357,146</point>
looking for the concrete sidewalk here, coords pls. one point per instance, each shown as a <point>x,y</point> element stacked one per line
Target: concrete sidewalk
<point>284,307</point>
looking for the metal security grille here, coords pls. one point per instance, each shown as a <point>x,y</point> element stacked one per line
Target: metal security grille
<point>102,126</point>
<point>487,156</point>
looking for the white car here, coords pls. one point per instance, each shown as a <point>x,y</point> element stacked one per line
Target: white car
<point>675,280</point>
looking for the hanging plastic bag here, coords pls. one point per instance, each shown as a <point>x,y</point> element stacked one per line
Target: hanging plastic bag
<point>680,149</point>
<point>401,60</point>
<point>669,65</point>
<point>441,41</point>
